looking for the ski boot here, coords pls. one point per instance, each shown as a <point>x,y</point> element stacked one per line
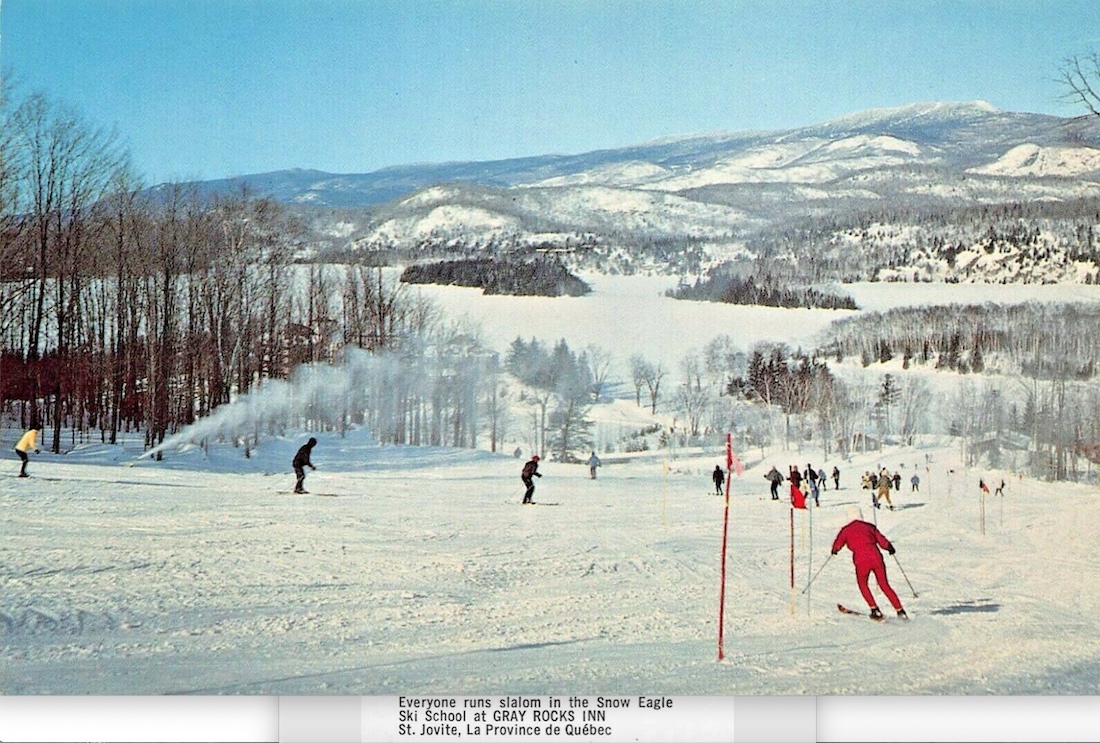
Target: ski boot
<point>902,614</point>
<point>876,614</point>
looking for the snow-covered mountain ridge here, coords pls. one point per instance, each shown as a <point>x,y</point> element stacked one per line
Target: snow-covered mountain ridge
<point>970,134</point>
<point>680,204</point>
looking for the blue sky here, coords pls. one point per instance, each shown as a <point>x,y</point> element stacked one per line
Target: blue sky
<point>214,88</point>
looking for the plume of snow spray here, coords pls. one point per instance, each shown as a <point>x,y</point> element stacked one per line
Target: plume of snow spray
<point>316,392</point>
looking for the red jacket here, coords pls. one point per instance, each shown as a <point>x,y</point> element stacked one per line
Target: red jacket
<point>864,540</point>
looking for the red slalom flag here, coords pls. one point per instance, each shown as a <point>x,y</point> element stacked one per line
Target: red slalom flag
<point>798,498</point>
<point>732,462</point>
<point>983,486</point>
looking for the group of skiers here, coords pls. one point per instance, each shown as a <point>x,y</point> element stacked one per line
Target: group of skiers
<point>861,537</point>
<point>810,481</point>
<point>881,483</point>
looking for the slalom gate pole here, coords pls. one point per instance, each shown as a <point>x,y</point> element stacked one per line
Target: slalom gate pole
<point>830,557</point>
<point>802,531</point>
<point>792,559</point>
<point>725,533</point>
<point>905,576</point>
<point>810,562</point>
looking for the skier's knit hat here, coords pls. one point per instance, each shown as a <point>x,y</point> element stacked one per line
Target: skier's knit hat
<point>854,513</point>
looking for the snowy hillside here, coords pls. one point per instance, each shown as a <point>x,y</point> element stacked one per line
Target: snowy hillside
<point>1033,160</point>
<point>416,570</point>
<point>423,574</point>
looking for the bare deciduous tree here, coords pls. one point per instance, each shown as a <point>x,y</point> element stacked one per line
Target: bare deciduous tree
<point>1080,74</point>
<point>648,375</point>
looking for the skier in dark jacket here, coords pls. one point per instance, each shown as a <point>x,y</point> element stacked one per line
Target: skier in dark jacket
<point>301,461</point>
<point>776,480</point>
<point>836,478</point>
<point>811,478</point>
<point>795,477</point>
<point>864,540</point>
<point>719,478</point>
<point>531,469</point>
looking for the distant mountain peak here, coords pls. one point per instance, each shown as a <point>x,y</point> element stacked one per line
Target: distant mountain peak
<point>941,110</point>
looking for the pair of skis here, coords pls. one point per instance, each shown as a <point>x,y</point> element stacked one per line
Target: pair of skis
<point>845,610</point>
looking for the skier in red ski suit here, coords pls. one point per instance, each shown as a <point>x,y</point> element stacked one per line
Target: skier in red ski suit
<point>864,540</point>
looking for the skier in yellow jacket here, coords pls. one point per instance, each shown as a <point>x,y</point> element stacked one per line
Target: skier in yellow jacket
<point>28,442</point>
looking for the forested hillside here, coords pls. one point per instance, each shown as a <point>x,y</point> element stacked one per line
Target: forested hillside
<point>1010,242</point>
<point>541,276</point>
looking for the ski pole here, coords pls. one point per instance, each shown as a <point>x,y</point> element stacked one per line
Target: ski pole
<point>905,576</point>
<point>830,557</point>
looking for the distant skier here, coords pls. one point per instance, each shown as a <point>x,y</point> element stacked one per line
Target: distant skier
<point>776,479</point>
<point>915,482</point>
<point>1000,489</point>
<point>864,540</point>
<point>301,461</point>
<point>719,478</point>
<point>883,491</point>
<point>812,480</point>
<point>836,478</point>
<point>821,478</point>
<point>593,463</point>
<point>531,469</point>
<point>26,443</point>
<point>897,480</point>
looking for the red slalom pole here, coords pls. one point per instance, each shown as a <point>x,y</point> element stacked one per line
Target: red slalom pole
<point>725,533</point>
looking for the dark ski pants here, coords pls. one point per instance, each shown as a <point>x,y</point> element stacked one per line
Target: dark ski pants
<point>300,472</point>
<point>23,467</point>
<point>863,570</point>
<point>775,490</point>
<point>529,495</point>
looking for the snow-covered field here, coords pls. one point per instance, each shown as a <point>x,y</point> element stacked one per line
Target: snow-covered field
<point>201,574</point>
<point>424,574</point>
<point>628,315</point>
<point>631,315</point>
